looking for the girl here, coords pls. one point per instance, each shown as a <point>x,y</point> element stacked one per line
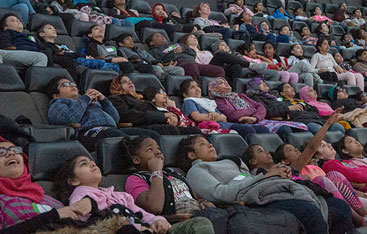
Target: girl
<point>323,62</point>
<point>201,109</point>
<point>279,63</point>
<point>318,17</point>
<point>306,36</point>
<point>237,7</point>
<point>323,31</point>
<point>80,177</point>
<point>239,108</point>
<point>230,180</point>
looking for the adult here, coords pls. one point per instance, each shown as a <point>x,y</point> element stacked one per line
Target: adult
<point>309,95</point>
<point>342,16</point>
<point>326,66</point>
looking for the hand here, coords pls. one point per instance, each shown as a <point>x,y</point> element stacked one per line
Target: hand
<point>236,27</point>
<point>82,207</point>
<point>178,50</point>
<point>156,163</point>
<point>203,204</point>
<point>95,95</point>
<point>164,14</point>
<point>333,43</point>
<point>247,119</point>
<point>172,120</point>
<point>89,57</point>
<point>358,186</point>
<point>336,116</point>
<point>172,63</point>
<point>170,102</point>
<point>161,226</point>
<point>67,212</point>
<point>176,14</point>
<point>284,172</point>
<point>160,65</point>
<point>296,107</point>
<point>323,70</point>
<point>213,115</point>
<point>339,70</point>
<point>119,60</point>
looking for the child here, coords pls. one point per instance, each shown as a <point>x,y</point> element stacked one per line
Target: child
<point>318,17</point>
<point>347,40</point>
<point>143,61</point>
<point>265,27</point>
<point>285,35</point>
<point>358,20</point>
<point>255,31</point>
<point>79,177</point>
<point>298,12</point>
<point>340,61</point>
<point>306,36</point>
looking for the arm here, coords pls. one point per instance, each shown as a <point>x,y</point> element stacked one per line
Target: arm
<point>228,11</point>
<point>259,111</point>
<point>110,109</point>
<point>150,198</point>
<point>315,61</point>
<point>358,175</point>
<point>232,114</point>
<point>68,111</point>
<point>315,142</point>
<point>199,21</point>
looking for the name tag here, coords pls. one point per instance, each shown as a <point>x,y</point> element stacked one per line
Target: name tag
<point>110,50</point>
<point>240,177</point>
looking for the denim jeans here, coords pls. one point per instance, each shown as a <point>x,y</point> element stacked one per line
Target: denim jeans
<point>314,127</point>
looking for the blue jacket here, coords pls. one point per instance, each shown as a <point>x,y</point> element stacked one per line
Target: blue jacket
<point>278,15</point>
<point>21,41</point>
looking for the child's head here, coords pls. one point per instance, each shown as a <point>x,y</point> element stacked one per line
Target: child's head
<point>323,28</point>
<point>156,39</point>
<point>258,7</point>
<point>46,32</point>
<point>296,50</point>
<point>357,13</point>
<point>11,21</point>
<point>348,147</point>
<point>325,151</point>
<point>190,40</point>
<point>246,17</point>
<point>286,154</point>
<point>222,47</point>
<point>317,11</point>
<point>281,9</point>
<point>346,37</point>
<point>265,26</point>
<point>189,88</point>
<point>255,156</point>
<point>248,49</point>
<point>298,11</point>
<point>269,49</point>
<point>286,91</point>
<point>362,97</point>
<point>284,30</point>
<point>362,55</point>
<point>96,32</point>
<point>193,148</point>
<point>155,95</point>
<point>322,45</point>
<point>338,58</point>
<point>305,31</point>
<point>239,2</point>
<point>76,171</point>
<point>125,40</point>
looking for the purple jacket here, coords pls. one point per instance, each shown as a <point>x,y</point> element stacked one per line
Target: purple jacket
<point>256,109</point>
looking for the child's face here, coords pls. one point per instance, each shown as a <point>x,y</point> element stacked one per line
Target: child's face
<point>239,3</point>
<point>264,87</point>
<point>264,26</point>
<point>347,38</point>
<point>259,7</point>
<point>223,47</point>
<point>285,31</point>
<point>305,31</point>
<point>363,57</point>
<point>86,173</point>
<point>159,11</point>
<point>269,50</point>
<point>358,14</point>
<point>299,12</point>
<point>97,32</point>
<point>128,42</point>
<point>48,32</point>
<point>246,17</point>
<point>203,150</point>
<point>193,90</point>
<point>338,58</point>
<point>148,151</point>
<point>297,50</point>
<point>252,52</point>
<point>324,28</point>
<point>317,11</point>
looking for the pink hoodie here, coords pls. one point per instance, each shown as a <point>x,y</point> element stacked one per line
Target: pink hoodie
<point>105,197</point>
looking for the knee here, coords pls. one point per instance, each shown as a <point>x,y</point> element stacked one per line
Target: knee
<point>337,127</point>
<point>201,225</point>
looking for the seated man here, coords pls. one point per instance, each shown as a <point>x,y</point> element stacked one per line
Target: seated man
<point>143,61</point>
<point>97,116</point>
<point>17,48</point>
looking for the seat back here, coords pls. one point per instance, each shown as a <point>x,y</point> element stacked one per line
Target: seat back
<point>169,145</point>
<point>173,84</point>
<point>114,30</point>
<point>78,28</point>
<point>36,78</point>
<point>142,81</point>
<point>170,8</point>
<point>218,16</point>
<point>283,49</point>
<point>228,144</point>
<point>333,136</point>
<point>359,133</point>
<point>10,80</point>
<point>141,6</point>
<point>204,82</point>
<point>240,85</point>
<point>97,79</point>
<point>297,139</point>
<point>278,23</point>
<point>205,42</point>
<point>308,50</point>
<point>37,19</point>
<point>269,141</point>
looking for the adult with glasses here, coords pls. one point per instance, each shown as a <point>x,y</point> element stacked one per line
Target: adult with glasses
<point>24,208</point>
<point>96,115</point>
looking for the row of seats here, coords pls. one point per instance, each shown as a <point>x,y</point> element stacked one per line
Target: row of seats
<point>45,158</point>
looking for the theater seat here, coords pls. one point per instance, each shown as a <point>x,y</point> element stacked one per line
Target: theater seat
<point>323,89</point>
<point>173,84</point>
<point>269,141</point>
<point>228,144</point>
<point>79,28</point>
<point>297,139</point>
<point>308,50</point>
<point>218,16</point>
<point>204,82</point>
<point>4,11</point>
<point>67,40</point>
<point>114,30</point>
<point>333,136</point>
<point>169,145</point>
<point>110,157</point>
<point>283,49</point>
<point>240,85</point>
<point>352,89</point>
<point>349,53</point>
<point>142,81</point>
<point>50,133</point>
<point>176,36</point>
<point>141,6</point>
<point>10,80</point>
<point>205,42</point>
<point>36,78</point>
<point>146,32</point>
<point>170,8</point>
<point>233,44</point>
<point>37,19</point>
<point>258,46</point>
<point>359,133</point>
<point>97,79</point>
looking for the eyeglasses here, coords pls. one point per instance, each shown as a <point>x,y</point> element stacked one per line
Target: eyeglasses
<point>161,91</point>
<point>66,84</point>
<point>341,90</point>
<point>14,149</point>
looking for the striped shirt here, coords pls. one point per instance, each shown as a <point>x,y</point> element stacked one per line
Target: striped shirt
<point>14,210</point>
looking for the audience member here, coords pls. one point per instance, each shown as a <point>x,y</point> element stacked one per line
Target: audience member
<point>237,7</point>
<point>342,16</point>
<point>23,6</point>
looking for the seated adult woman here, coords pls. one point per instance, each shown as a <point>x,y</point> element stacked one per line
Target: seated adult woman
<point>24,207</point>
<point>132,109</point>
<point>309,95</point>
<point>303,112</point>
<point>202,109</point>
<point>230,180</point>
<point>202,12</point>
<point>325,64</point>
<point>237,7</point>
<point>239,108</point>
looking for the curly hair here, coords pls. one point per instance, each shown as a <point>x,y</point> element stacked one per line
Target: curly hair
<point>130,147</point>
<point>248,155</point>
<point>185,146</point>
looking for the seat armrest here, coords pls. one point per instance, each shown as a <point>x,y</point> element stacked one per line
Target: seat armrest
<point>175,218</point>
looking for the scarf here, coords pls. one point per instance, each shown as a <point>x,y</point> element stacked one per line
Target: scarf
<point>207,104</point>
<point>156,17</point>
<point>116,89</point>
<point>232,97</point>
<point>254,86</point>
<point>324,108</point>
<point>22,186</point>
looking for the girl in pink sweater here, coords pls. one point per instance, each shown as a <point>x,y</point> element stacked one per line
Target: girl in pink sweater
<point>79,177</point>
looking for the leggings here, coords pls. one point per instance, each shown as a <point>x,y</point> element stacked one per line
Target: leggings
<point>195,70</point>
<point>352,79</point>
<point>288,77</point>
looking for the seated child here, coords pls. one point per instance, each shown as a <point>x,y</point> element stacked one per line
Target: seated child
<point>306,36</point>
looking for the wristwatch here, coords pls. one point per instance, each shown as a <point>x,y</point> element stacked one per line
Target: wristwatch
<point>158,174</point>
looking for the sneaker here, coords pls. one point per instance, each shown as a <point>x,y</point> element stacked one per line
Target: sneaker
<point>258,67</point>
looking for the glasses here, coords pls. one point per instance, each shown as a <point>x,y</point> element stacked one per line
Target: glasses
<point>161,91</point>
<point>67,84</point>
<point>341,90</point>
<point>14,149</point>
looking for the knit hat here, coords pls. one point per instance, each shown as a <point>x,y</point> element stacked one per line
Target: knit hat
<point>215,46</point>
<point>333,92</point>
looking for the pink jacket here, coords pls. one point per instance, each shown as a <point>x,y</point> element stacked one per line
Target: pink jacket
<point>233,7</point>
<point>105,197</point>
<point>256,109</point>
